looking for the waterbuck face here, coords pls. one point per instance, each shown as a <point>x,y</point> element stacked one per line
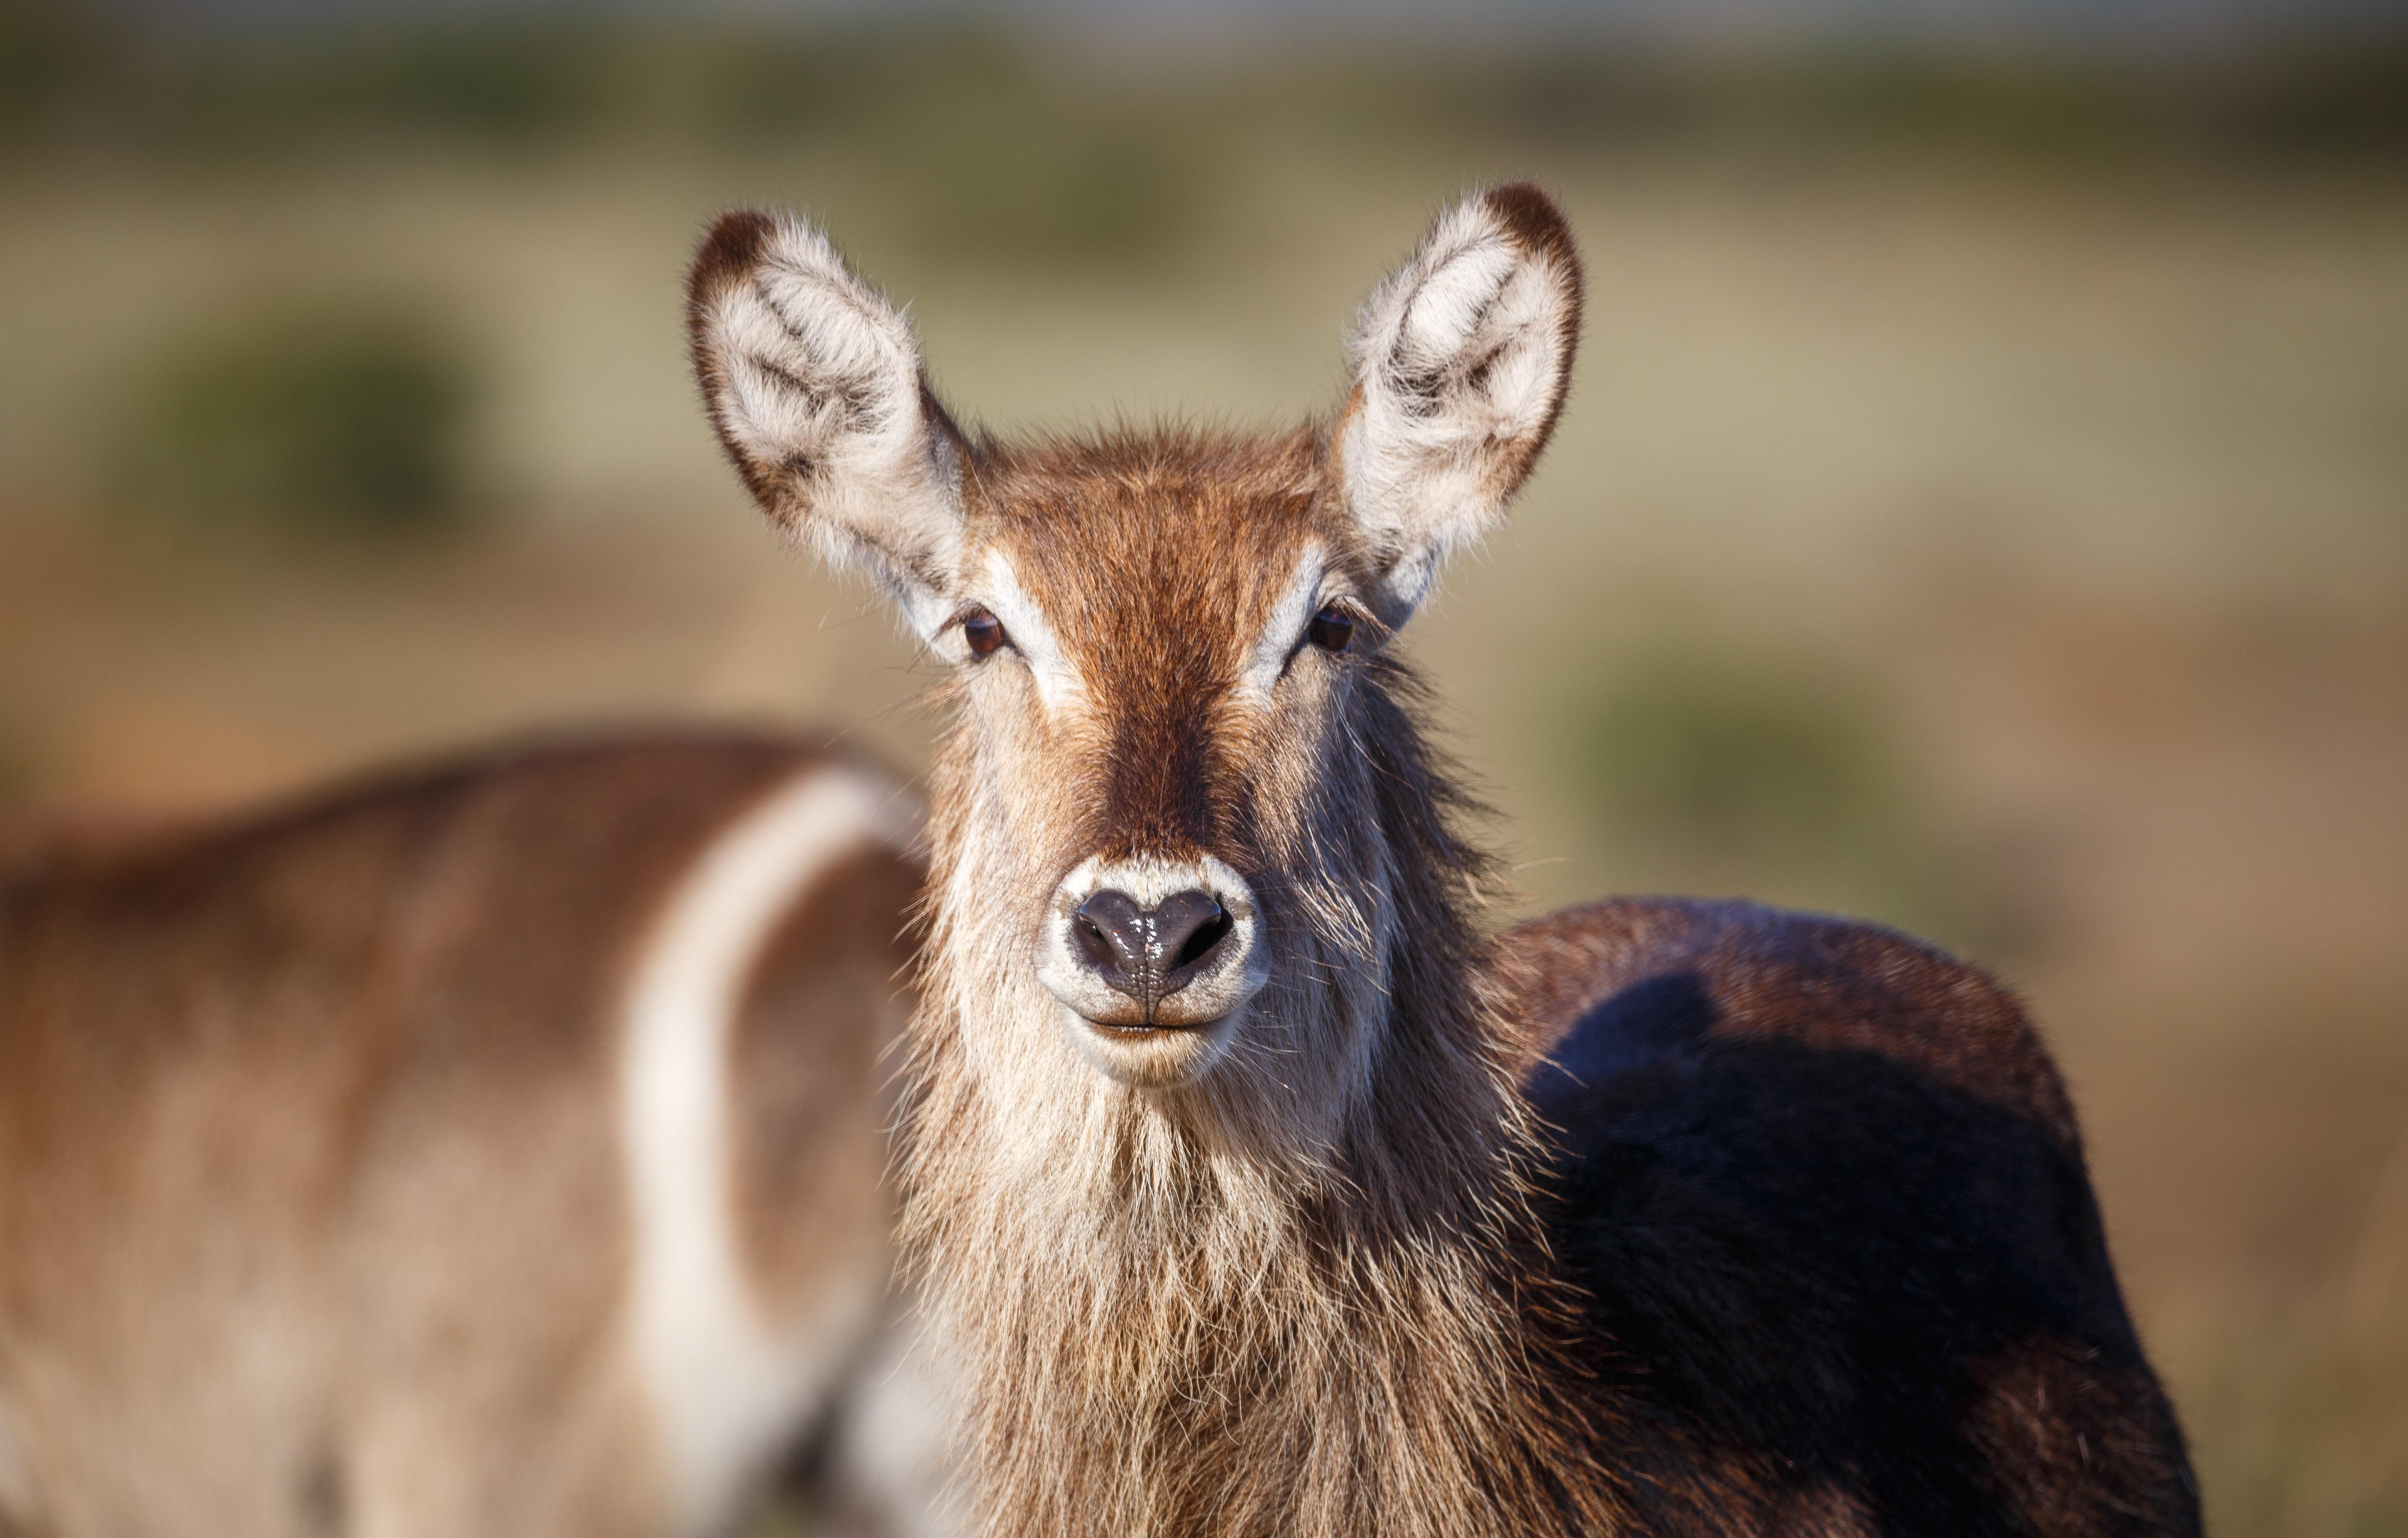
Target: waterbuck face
<point>1161,804</point>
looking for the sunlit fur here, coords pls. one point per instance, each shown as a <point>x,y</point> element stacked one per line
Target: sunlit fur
<point>813,384</point>
<point>1460,361</point>
<point>1312,1234</point>
<point>1291,1294</point>
<point>1319,1286</point>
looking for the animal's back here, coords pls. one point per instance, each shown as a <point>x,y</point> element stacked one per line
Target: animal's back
<point>1826,1191</point>
<point>321,1184</point>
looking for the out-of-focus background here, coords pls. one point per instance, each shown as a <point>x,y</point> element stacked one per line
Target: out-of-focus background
<point>1983,505</point>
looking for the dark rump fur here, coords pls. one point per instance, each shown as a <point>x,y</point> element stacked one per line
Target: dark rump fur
<point>1824,1190</point>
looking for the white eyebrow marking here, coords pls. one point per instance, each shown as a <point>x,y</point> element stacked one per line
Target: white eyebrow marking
<point>1058,681</point>
<point>1285,626</point>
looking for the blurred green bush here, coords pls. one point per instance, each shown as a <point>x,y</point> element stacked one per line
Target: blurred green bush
<point>1713,771</point>
<point>49,53</point>
<point>332,421</point>
<point>1724,758</point>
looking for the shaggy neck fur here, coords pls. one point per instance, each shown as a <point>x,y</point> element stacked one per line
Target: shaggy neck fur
<point>1219,1310</point>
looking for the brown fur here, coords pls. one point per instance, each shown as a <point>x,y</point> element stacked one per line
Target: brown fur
<point>1837,988</point>
<point>810,1166</point>
<point>312,1206</point>
<point>1245,1323</point>
<point>1460,1235</point>
<point>1360,1330</point>
<point>2061,1427</point>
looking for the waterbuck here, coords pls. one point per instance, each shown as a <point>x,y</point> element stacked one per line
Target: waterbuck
<point>484,1152</point>
<point>1260,1191</point>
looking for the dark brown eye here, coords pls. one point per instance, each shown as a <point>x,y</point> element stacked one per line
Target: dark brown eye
<point>985,633</point>
<point>1332,629</point>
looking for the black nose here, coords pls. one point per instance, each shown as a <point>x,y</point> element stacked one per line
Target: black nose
<point>1148,953</point>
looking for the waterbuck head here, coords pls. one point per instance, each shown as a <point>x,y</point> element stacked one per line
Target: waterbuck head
<point>1165,821</point>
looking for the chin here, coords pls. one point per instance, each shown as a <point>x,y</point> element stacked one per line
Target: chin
<point>1152,1058</point>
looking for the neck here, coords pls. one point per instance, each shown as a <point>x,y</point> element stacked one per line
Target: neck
<point>1205,1309</point>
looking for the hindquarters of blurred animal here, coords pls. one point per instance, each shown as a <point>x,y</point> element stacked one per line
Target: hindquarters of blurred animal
<point>495,1149</point>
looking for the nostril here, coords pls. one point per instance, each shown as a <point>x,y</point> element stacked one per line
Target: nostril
<point>1110,931</point>
<point>1187,926</point>
<point>1094,945</point>
<point>1200,944</point>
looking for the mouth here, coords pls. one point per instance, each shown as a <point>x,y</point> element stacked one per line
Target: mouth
<point>1152,1057</point>
<point>1170,1015</point>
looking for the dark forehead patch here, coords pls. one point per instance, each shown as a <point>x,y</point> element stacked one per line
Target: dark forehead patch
<point>1155,560</point>
<point>1156,556</point>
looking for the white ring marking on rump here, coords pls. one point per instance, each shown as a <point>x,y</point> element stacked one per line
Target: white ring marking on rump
<point>726,1383</point>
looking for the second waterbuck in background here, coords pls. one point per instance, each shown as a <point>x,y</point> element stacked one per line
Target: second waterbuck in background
<point>1260,1190</point>
<point>490,1150</point>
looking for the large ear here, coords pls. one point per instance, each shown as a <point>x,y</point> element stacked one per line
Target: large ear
<point>1460,363</point>
<point>813,382</point>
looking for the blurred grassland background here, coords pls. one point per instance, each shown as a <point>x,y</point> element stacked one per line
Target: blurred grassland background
<point>1983,505</point>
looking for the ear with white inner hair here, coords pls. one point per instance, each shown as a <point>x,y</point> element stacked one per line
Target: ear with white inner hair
<point>1460,361</point>
<point>813,382</point>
